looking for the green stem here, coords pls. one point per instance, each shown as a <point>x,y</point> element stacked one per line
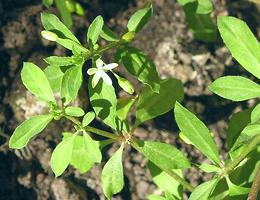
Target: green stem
<point>109,46</point>
<point>104,133</point>
<point>171,173</point>
<point>250,147</point>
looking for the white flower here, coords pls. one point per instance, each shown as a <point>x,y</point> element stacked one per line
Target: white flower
<point>100,72</point>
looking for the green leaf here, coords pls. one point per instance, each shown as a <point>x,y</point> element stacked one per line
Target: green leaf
<point>28,129</point>
<point>236,88</point>
<point>255,115</point>
<point>94,30</point>
<point>92,148</point>
<point>209,168</point>
<point>61,155</point>
<point>47,3</point>
<point>170,196</point>
<point>36,82</point>
<point>151,104</point>
<point>251,130</point>
<point>52,23</point>
<point>71,83</point>
<point>156,197</point>
<point>164,181</point>
<point>197,132</point>
<point>112,177</point>
<point>125,84</point>
<point>108,35</point>
<point>88,118</point>
<point>163,155</point>
<point>124,105</point>
<point>204,7</point>
<point>74,111</point>
<point>203,191</point>
<point>237,123</point>
<point>184,2</point>
<point>60,61</point>
<point>241,42</point>
<point>65,13</point>
<point>140,66</point>
<point>103,100</point>
<point>54,76</point>
<point>235,190</point>
<point>139,19</point>
<point>81,159</point>
<point>201,25</point>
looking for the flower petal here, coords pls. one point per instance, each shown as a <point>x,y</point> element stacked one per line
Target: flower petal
<point>96,79</point>
<point>106,78</point>
<point>99,63</point>
<point>110,66</point>
<point>92,71</point>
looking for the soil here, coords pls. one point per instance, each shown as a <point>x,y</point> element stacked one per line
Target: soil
<point>26,174</point>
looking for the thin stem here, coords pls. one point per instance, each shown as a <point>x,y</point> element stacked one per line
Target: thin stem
<point>73,119</point>
<point>255,187</point>
<point>104,133</point>
<point>250,147</point>
<point>109,46</point>
<point>176,177</point>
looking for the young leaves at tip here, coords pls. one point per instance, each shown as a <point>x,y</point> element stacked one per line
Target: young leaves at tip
<point>196,132</point>
<point>112,176</point>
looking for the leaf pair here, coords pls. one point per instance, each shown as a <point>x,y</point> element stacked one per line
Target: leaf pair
<point>244,48</point>
<point>81,151</point>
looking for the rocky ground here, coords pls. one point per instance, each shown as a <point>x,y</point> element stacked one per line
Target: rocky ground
<point>26,174</point>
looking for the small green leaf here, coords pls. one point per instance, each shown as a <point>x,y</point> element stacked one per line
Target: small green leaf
<point>47,3</point>
<point>124,105</point>
<point>241,42</point>
<point>140,66</point>
<point>54,76</point>
<point>88,118</point>
<point>151,104</point>
<point>164,181</point>
<point>52,23</point>
<point>236,88</point>
<point>125,84</point>
<point>235,190</point>
<point>65,13</point>
<point>108,35</point>
<point>255,115</point>
<point>74,111</point>
<point>204,7</point>
<point>71,83</point>
<point>197,132</point>
<point>61,155</point>
<point>209,168</point>
<point>163,155</point>
<point>36,82</point>
<point>95,30</point>
<point>103,100</point>
<point>203,191</point>
<point>29,128</point>
<point>92,148</point>
<point>251,130</point>
<point>59,61</point>
<point>79,10</point>
<point>112,177</point>
<point>139,19</point>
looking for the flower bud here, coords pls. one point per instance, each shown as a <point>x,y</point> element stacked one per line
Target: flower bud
<point>129,36</point>
<point>125,84</point>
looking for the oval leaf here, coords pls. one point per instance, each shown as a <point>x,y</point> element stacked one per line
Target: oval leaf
<point>197,132</point>
<point>29,128</point>
<point>36,82</point>
<point>88,118</point>
<point>203,191</point>
<point>74,111</point>
<point>112,176</point>
<point>61,155</point>
<point>255,115</point>
<point>54,75</point>
<point>236,88</point>
<point>241,42</point>
<point>92,148</point>
<point>164,155</point>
